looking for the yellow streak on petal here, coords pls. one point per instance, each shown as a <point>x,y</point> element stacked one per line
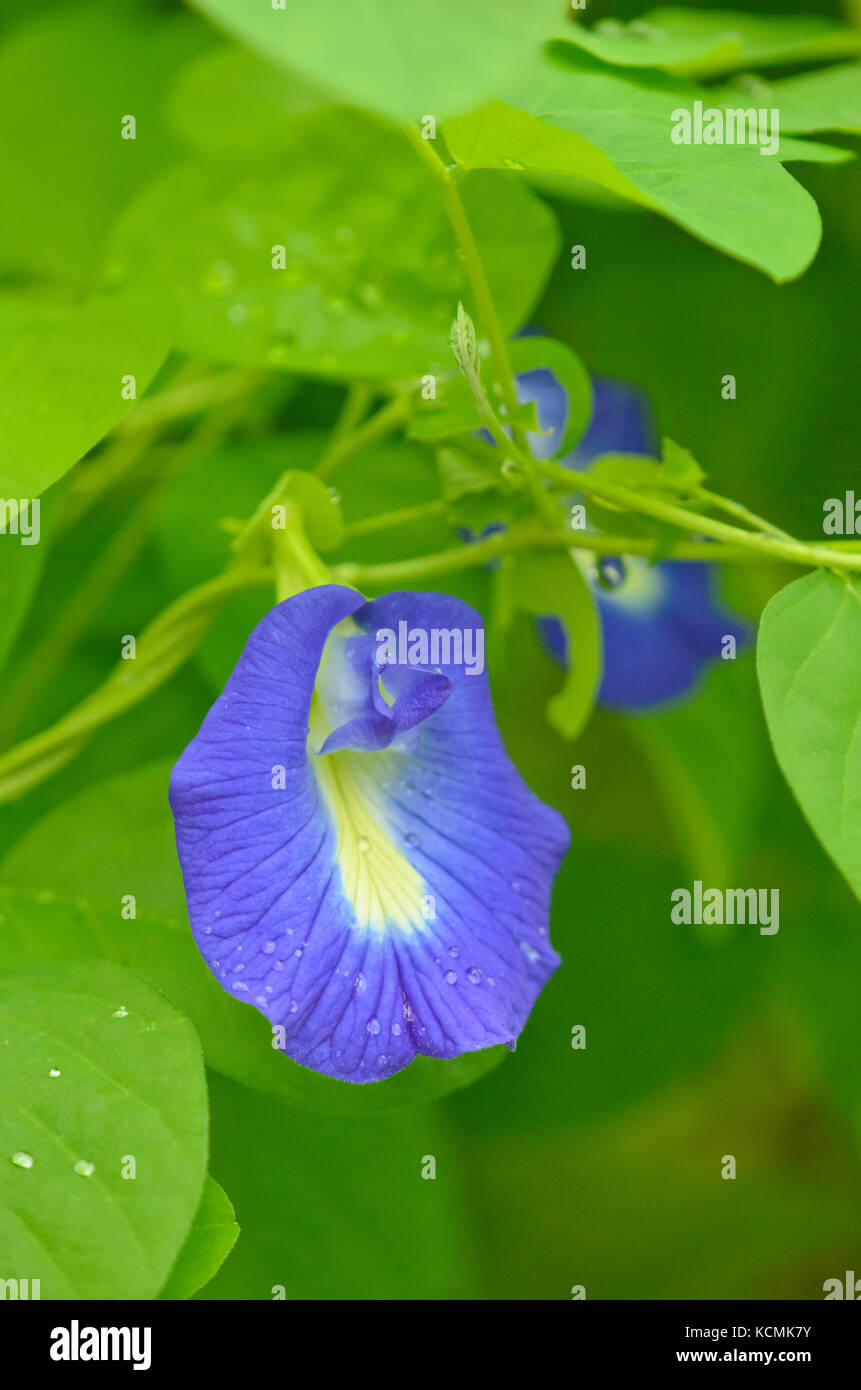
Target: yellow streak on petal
<point>383,886</point>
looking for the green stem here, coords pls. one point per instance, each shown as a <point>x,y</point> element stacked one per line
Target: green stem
<point>70,620</point>
<point>396,412</point>
<point>533,535</point>
<point>725,504</point>
<point>386,521</point>
<point>190,398</point>
<point>353,411</point>
<point>811,554</point>
<point>161,649</point>
<point>488,318</point>
<point>188,394</point>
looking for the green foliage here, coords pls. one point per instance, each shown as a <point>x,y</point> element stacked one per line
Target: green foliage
<point>582,121</point>
<point>68,171</point>
<point>379,55</point>
<point>315,132</point>
<point>551,584</point>
<point>826,100</point>
<point>66,905</point>
<point>708,42</point>
<point>212,1236</point>
<point>352,293</point>
<point>96,1068</point>
<point>809,656</point>
<point>61,380</point>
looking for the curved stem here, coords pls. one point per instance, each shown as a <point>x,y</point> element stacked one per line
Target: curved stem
<point>811,554</point>
<point>343,446</point>
<point>386,521</point>
<point>528,536</point>
<point>161,649</point>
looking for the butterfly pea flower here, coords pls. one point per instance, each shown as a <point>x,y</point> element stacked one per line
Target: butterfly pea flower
<point>362,861</point>
<point>661,624</point>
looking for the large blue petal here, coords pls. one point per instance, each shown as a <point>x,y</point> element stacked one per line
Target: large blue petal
<point>386,898</point>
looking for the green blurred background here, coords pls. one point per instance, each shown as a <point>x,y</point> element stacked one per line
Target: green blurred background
<point>598,1167</point>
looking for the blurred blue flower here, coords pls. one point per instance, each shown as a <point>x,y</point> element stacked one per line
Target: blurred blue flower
<point>362,861</point>
<point>661,623</point>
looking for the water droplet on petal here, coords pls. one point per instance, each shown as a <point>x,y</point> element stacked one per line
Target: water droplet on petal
<point>268,948</point>
<point>23,1160</point>
<point>611,572</point>
<point>364,845</point>
<point>374,1026</point>
<point>474,974</point>
<point>530,952</point>
<point>450,977</point>
<point>396,1030</point>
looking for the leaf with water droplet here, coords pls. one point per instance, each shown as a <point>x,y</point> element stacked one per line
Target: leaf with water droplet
<point>85,843</point>
<point>124,1090</point>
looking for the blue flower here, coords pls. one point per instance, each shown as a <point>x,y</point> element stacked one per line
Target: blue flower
<point>362,860</point>
<point>660,623</point>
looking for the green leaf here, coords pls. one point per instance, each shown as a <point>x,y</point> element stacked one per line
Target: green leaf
<point>548,584</point>
<point>680,465</point>
<point>68,171</point>
<point>461,473</point>
<point>678,473</point>
<point>65,884</point>
<point>385,56</point>
<point>812,152</point>
<point>645,43</point>
<point>213,1234</point>
<point>532,352</point>
<point>97,1068</point>
<point>809,663</point>
<point>758,40</point>
<point>827,100</point>
<point>451,411</point>
<point>231,104</point>
<point>353,294</point>
<point>709,42</point>
<point>586,122</point>
<point>61,381</point>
